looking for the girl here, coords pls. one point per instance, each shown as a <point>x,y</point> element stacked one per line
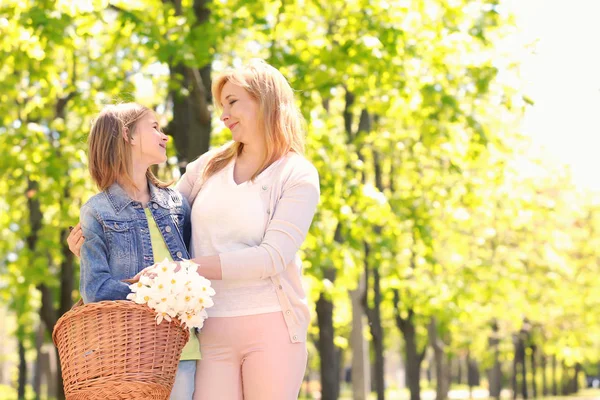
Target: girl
<point>135,220</point>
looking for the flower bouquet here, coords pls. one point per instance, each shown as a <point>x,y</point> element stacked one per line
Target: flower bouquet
<point>175,292</point>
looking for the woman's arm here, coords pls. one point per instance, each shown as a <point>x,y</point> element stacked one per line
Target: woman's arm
<point>284,235</point>
<point>189,181</point>
<point>96,281</point>
<point>185,184</point>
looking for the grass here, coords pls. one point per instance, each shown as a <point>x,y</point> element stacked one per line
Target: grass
<point>10,393</point>
<point>427,394</point>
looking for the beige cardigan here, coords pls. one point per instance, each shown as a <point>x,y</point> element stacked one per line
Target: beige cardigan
<point>290,198</point>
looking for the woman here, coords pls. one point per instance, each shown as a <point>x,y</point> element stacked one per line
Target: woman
<point>135,219</point>
<point>253,201</point>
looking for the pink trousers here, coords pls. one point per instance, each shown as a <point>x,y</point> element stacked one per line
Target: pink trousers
<point>249,358</point>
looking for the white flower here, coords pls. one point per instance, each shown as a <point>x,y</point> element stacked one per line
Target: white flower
<point>136,286</point>
<point>193,320</point>
<point>185,301</point>
<point>163,282</point>
<point>189,266</point>
<point>165,267</point>
<point>183,294</point>
<point>205,302</point>
<point>207,290</point>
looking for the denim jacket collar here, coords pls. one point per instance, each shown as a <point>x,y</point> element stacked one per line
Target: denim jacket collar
<point>119,199</point>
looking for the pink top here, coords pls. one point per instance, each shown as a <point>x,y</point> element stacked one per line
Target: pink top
<point>290,195</point>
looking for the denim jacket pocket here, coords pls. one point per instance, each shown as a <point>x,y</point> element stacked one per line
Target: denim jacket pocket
<point>120,236</point>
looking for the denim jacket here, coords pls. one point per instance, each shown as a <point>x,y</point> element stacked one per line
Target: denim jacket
<point>117,241</point>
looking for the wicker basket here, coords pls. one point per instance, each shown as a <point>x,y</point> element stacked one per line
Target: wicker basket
<point>115,350</point>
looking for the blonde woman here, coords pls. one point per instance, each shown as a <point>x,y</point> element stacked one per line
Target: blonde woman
<point>253,201</point>
<point>135,219</point>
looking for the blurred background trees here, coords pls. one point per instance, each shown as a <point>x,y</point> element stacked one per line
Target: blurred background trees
<point>442,254</point>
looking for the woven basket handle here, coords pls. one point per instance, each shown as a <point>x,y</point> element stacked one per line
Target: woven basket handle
<point>80,302</point>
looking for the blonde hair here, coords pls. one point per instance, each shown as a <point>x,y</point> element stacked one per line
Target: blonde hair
<point>109,154</point>
<point>279,116</point>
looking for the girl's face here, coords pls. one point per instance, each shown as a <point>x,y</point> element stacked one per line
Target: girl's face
<point>240,114</point>
<point>149,142</point>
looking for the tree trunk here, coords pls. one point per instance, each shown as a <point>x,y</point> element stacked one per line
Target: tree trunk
<point>37,370</point>
<point>60,389</point>
<point>429,374</point>
<point>48,313</point>
<point>576,378</point>
<point>47,377</point>
<point>35,223</point>
<point>413,361</point>
<point>554,377</point>
<point>413,358</point>
<point>495,378</point>
<point>564,379</point>
<point>534,372</point>
<point>544,361</point>
<point>191,123</point>
<point>330,383</point>
<point>441,369</point>
<point>459,370</point>
<point>374,315</point>
<point>304,388</point>
<point>524,374</point>
<point>514,377</point>
<point>473,378</point>
<point>519,345</point>
<point>67,286</point>
<point>22,371</point>
<point>570,383</point>
<point>361,370</point>
<point>377,333</point>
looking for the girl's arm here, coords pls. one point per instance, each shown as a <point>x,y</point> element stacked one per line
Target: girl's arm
<point>96,281</point>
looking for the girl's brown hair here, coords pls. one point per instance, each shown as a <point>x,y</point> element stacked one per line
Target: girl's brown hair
<point>279,116</point>
<point>109,154</point>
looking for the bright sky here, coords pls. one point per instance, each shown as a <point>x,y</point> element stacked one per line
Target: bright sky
<point>562,76</point>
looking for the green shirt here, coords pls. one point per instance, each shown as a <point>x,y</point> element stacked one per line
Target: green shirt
<point>191,351</point>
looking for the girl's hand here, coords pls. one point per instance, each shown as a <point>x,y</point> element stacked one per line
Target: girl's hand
<point>76,239</point>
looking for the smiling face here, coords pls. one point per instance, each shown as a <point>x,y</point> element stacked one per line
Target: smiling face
<point>149,143</point>
<point>240,114</point>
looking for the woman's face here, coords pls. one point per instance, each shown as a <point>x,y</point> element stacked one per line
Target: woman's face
<point>240,114</point>
<point>149,143</point>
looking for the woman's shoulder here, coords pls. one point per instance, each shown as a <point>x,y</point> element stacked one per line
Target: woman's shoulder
<point>296,168</point>
<point>297,164</point>
<point>197,166</point>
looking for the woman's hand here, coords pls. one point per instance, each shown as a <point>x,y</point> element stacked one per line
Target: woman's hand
<point>76,239</point>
